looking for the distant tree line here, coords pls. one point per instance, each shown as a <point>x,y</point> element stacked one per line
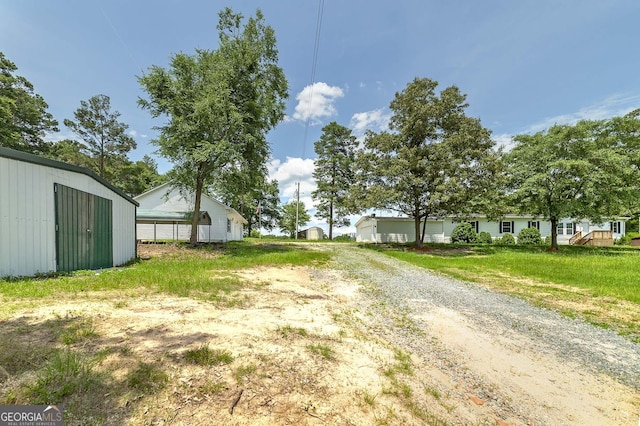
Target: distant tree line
<point>102,144</point>
<point>434,160</point>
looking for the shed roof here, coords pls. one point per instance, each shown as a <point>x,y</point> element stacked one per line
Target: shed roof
<point>170,186</point>
<point>162,216</point>
<point>47,162</point>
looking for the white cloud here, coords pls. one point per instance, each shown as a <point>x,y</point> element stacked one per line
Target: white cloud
<point>317,101</point>
<point>504,140</point>
<point>371,120</point>
<point>613,106</point>
<point>135,134</point>
<point>616,105</point>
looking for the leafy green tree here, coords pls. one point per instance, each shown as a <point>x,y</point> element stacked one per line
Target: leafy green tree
<point>24,119</point>
<point>573,171</point>
<point>334,174</point>
<point>258,203</point>
<point>104,137</point>
<point>289,212</point>
<point>435,161</point>
<point>70,152</point>
<point>135,178</point>
<point>219,106</point>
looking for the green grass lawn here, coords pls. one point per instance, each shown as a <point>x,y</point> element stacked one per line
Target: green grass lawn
<point>608,272</point>
<point>598,284</point>
<point>203,271</point>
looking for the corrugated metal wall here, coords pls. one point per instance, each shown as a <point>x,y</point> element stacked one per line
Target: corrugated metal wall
<point>27,217</point>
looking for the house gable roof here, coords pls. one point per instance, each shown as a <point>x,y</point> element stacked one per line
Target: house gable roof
<point>167,187</point>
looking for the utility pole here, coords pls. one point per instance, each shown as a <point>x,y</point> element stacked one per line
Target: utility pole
<point>297,206</point>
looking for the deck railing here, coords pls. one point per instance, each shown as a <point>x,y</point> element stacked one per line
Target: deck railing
<point>575,237</point>
<point>592,238</point>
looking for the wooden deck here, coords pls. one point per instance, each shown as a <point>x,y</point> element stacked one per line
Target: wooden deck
<point>593,238</point>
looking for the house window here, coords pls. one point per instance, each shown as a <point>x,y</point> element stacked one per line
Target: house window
<point>616,228</point>
<point>569,227</point>
<point>534,224</point>
<point>565,228</point>
<point>506,227</point>
<point>474,224</point>
<point>228,225</point>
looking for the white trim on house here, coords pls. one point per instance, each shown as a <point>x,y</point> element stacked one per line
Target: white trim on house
<point>381,229</point>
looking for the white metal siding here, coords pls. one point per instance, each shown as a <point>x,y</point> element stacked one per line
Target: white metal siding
<point>27,217</point>
<point>396,231</point>
<point>174,201</point>
<point>365,231</point>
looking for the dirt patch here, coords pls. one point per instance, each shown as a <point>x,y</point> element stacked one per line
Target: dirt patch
<point>303,350</point>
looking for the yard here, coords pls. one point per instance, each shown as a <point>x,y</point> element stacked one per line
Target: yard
<point>278,333</point>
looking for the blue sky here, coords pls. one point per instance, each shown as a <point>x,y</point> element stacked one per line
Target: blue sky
<point>524,65</point>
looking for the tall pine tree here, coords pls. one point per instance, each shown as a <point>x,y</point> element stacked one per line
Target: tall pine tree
<point>334,174</point>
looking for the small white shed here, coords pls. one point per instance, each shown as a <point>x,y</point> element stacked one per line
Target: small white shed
<point>165,215</point>
<point>312,233</point>
<point>58,217</point>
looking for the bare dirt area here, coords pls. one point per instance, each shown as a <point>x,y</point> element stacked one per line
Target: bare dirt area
<point>306,346</point>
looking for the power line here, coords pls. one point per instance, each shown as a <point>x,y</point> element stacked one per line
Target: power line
<point>314,63</point>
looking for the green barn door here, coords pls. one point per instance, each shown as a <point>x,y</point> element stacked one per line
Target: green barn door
<point>84,224</point>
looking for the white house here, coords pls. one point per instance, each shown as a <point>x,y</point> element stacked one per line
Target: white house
<point>57,217</point>
<point>379,229</point>
<point>165,214</point>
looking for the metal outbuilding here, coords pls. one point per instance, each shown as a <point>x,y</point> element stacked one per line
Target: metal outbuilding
<point>165,215</point>
<point>58,217</point>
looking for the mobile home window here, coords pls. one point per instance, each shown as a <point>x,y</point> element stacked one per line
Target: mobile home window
<point>615,227</point>
<point>506,227</point>
<point>474,224</point>
<point>569,227</point>
<point>565,228</point>
<point>534,224</point>
<point>228,225</point>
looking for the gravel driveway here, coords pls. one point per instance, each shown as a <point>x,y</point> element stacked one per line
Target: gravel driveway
<point>497,347</point>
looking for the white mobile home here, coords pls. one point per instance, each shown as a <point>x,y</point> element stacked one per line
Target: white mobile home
<point>378,229</point>
<point>165,215</point>
<point>57,217</point>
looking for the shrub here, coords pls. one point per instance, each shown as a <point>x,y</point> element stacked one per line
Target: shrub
<point>463,233</point>
<point>507,239</point>
<point>484,238</point>
<point>547,240</point>
<point>529,236</point>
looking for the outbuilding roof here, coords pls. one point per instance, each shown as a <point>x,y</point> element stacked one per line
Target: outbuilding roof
<point>47,162</point>
<point>163,216</point>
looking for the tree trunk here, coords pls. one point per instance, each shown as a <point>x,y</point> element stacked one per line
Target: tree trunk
<point>195,219</point>
<point>554,234</point>
<point>331,219</point>
<point>416,222</point>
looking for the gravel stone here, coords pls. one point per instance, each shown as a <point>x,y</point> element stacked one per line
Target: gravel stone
<point>413,290</point>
